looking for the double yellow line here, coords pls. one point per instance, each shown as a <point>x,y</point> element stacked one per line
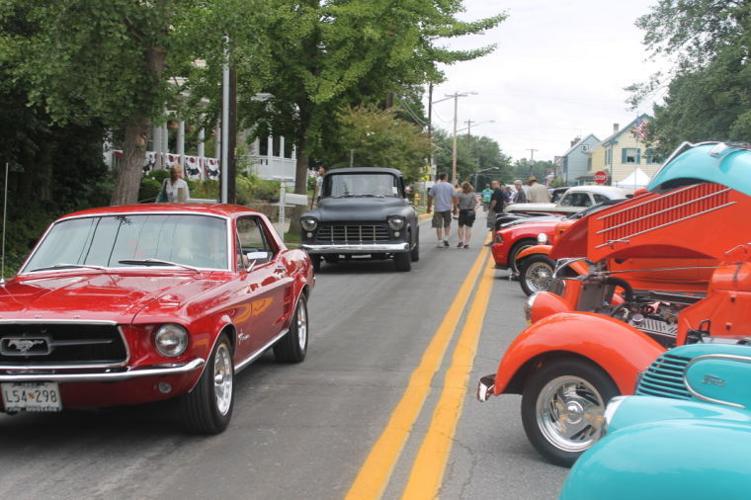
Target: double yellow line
<point>427,471</point>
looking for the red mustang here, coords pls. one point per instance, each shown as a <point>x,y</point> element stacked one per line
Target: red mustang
<point>515,236</point>
<point>132,304</point>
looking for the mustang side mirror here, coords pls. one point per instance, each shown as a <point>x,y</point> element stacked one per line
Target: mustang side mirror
<point>253,258</point>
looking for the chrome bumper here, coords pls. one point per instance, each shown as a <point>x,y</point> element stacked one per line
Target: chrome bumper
<point>34,375</point>
<point>353,248</point>
<point>485,388</point>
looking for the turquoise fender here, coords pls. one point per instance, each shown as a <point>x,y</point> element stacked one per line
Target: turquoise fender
<point>682,459</point>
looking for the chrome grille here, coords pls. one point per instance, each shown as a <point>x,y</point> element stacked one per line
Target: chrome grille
<point>61,344</point>
<point>353,233</point>
<point>664,378</point>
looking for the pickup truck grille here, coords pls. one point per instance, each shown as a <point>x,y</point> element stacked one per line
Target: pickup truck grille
<point>353,233</point>
<point>61,345</point>
<point>664,378</point>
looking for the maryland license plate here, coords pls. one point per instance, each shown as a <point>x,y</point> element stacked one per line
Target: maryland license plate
<point>31,396</point>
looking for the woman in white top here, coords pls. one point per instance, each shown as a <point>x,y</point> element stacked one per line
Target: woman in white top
<point>174,188</point>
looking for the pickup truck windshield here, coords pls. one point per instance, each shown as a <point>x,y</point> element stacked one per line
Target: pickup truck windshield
<point>378,185</point>
<point>121,240</point>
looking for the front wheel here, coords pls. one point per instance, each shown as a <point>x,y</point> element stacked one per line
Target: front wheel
<point>403,261</point>
<point>207,409</point>
<point>293,347</point>
<point>562,408</point>
<point>415,253</point>
<point>316,261</point>
<point>536,274</point>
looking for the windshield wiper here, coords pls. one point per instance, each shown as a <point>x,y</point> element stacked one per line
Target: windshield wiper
<point>156,262</point>
<point>69,266</point>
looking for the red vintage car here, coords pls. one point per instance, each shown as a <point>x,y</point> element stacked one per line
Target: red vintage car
<point>514,237</point>
<point>615,317</point>
<point>134,304</point>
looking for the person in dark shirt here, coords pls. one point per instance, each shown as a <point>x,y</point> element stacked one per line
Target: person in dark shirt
<point>497,203</point>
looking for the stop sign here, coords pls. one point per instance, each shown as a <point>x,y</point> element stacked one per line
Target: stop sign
<point>601,177</point>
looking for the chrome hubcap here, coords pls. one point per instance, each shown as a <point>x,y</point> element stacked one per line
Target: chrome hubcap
<point>570,413</point>
<point>223,378</point>
<point>302,326</point>
<point>539,277</point>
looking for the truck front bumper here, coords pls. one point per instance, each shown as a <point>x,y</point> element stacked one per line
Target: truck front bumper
<point>353,248</point>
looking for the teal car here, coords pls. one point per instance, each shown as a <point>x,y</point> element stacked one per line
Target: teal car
<point>685,435</point>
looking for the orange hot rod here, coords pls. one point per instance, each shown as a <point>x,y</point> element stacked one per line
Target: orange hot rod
<point>623,309</point>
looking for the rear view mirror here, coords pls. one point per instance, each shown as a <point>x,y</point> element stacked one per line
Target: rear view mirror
<point>257,255</point>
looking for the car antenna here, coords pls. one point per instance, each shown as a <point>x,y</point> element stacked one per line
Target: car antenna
<point>5,220</point>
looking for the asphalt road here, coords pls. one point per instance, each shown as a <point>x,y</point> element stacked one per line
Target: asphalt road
<point>304,431</point>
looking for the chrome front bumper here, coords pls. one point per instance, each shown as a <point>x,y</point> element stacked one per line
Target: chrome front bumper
<point>485,388</point>
<point>343,248</point>
<point>36,374</point>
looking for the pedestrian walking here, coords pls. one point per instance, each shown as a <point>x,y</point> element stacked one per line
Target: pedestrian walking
<point>442,193</point>
<point>519,195</point>
<point>174,188</point>
<point>465,202</point>
<point>487,193</point>
<point>537,193</point>
<point>318,191</point>
<point>497,202</point>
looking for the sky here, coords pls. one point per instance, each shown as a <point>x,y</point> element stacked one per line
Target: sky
<point>559,71</point>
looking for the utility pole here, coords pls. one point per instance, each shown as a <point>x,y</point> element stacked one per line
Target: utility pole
<point>532,154</point>
<point>469,129</point>
<point>455,96</point>
<point>224,194</point>
<point>430,126</point>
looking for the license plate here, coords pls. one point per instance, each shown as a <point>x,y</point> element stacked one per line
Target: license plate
<point>31,396</point>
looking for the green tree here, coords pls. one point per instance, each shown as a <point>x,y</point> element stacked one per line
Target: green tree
<point>325,54</point>
<point>377,137</point>
<point>473,154</point>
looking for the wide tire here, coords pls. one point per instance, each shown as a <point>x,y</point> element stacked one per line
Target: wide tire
<point>316,261</point>
<point>293,347</point>
<point>518,247</point>
<point>403,261</point>
<point>415,253</point>
<point>207,409</point>
<point>536,274</point>
<point>562,408</point>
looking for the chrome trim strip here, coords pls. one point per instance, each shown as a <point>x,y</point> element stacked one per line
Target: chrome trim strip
<point>353,248</point>
<point>107,376</point>
<point>696,394</point>
<point>260,351</point>
<point>609,243</point>
<point>664,210</point>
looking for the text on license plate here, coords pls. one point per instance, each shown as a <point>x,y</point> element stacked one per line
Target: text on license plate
<point>31,396</point>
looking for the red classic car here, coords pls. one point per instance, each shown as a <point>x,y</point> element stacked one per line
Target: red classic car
<point>513,237</point>
<point>133,304</point>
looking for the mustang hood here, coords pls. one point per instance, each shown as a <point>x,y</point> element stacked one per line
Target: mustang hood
<point>98,296</point>
<point>359,209</point>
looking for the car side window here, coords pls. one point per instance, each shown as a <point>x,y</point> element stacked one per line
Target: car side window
<point>576,200</point>
<point>600,198</point>
<point>252,242</point>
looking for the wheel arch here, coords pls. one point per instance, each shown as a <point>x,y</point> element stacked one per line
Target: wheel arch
<point>519,380</point>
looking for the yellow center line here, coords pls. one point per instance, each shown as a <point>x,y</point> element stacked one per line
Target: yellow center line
<point>426,476</point>
<point>375,472</point>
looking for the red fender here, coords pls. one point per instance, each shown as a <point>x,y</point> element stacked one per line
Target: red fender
<point>534,250</point>
<point>619,349</point>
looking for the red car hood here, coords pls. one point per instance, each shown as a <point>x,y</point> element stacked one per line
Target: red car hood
<point>100,296</point>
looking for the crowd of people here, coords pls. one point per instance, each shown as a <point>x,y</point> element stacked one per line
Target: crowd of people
<point>460,201</point>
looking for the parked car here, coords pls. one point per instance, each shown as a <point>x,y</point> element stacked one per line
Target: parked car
<point>686,436</point>
<point>134,304</point>
<point>574,200</point>
<point>514,237</point>
<point>557,193</point>
<point>590,343</point>
<point>362,212</point>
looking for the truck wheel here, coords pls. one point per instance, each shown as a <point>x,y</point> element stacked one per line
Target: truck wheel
<point>415,253</point>
<point>403,261</point>
<point>316,260</point>
<point>293,347</point>
<point>536,274</point>
<point>562,408</point>
<point>207,409</point>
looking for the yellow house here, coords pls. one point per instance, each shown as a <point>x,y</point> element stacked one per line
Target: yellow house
<point>623,152</point>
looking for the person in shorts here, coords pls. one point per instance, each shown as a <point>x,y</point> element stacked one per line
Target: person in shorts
<point>465,202</point>
<point>442,194</point>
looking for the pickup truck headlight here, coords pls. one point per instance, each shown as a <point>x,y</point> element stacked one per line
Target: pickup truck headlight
<point>171,340</point>
<point>542,239</point>
<point>396,223</point>
<point>309,223</point>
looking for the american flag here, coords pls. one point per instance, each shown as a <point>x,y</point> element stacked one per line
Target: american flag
<point>640,130</point>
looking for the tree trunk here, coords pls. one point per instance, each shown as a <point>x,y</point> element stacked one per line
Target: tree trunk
<point>134,150</point>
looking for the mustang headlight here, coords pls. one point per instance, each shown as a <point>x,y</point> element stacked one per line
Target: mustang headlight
<point>309,223</point>
<point>171,340</point>
<point>542,239</point>
<point>396,223</point>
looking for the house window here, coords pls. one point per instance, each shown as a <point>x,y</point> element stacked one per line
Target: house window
<point>589,164</point>
<point>630,155</point>
<point>653,156</point>
<point>608,157</point>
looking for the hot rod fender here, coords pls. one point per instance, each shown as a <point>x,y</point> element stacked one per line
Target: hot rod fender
<point>617,348</point>
<point>533,250</point>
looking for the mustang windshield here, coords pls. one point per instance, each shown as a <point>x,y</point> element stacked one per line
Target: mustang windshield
<point>121,240</point>
<point>378,185</point>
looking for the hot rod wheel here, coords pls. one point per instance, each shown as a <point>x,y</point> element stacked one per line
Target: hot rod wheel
<point>207,409</point>
<point>536,274</point>
<point>562,408</point>
<point>293,347</point>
